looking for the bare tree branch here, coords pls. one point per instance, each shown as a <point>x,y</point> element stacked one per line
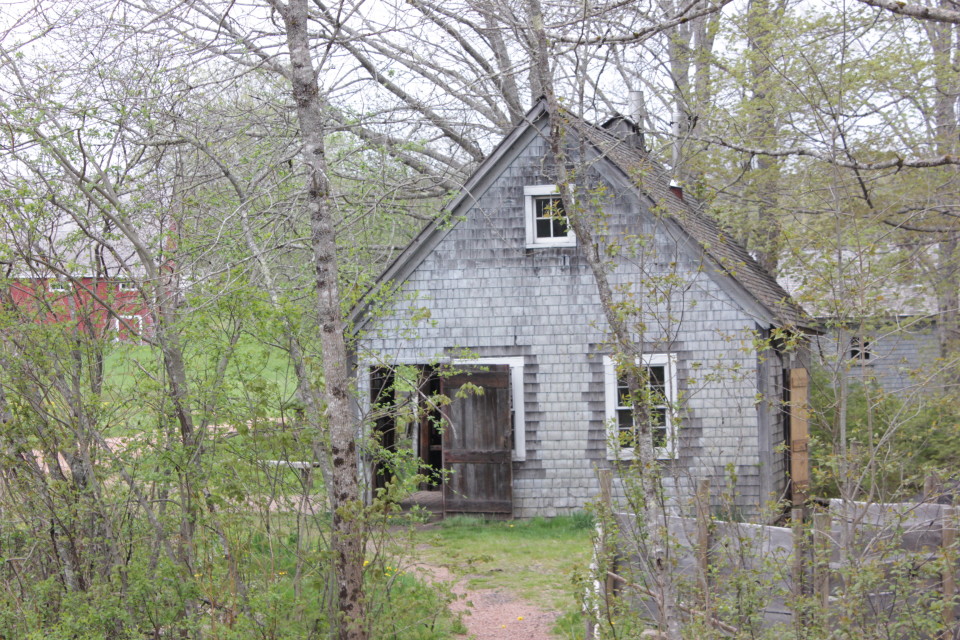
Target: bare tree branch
<point>918,11</point>
<point>896,162</point>
<point>685,15</point>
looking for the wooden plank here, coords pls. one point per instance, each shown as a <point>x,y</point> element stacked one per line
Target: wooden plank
<point>478,457</point>
<point>478,442</point>
<point>799,434</point>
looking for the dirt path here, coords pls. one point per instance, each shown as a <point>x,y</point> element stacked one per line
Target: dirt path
<point>495,614</point>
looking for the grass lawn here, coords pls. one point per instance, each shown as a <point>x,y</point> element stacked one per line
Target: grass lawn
<point>259,379</point>
<point>125,364</point>
<point>535,559</point>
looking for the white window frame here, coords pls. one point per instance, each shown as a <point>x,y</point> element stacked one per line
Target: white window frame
<point>529,194</point>
<point>669,363</point>
<point>55,285</point>
<point>126,285</point>
<point>137,320</point>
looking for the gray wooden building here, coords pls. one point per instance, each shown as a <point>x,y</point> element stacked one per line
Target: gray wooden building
<point>898,354</point>
<point>894,347</point>
<point>500,283</point>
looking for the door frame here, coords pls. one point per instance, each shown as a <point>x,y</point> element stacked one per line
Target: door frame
<point>517,396</point>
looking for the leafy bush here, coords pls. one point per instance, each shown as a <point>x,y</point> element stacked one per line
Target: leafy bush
<point>896,442</point>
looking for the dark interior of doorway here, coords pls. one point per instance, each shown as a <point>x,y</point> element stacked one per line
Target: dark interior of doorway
<point>384,399</point>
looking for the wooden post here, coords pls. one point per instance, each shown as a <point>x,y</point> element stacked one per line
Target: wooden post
<point>948,580</point>
<point>703,548</point>
<point>822,549</point>
<point>799,435</point>
<point>801,583</point>
<point>799,475</point>
<point>606,498</point>
<point>606,488</point>
<point>931,488</point>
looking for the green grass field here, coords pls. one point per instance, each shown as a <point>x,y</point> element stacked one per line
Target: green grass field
<point>259,383</point>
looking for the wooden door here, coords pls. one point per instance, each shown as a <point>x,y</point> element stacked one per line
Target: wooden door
<point>478,442</point>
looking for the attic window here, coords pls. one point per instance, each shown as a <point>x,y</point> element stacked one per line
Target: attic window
<point>546,221</point>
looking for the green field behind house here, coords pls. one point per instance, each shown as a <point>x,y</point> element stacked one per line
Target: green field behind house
<point>259,383</point>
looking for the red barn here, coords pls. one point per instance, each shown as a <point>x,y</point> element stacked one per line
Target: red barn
<point>99,307</point>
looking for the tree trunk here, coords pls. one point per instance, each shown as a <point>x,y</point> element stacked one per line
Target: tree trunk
<point>763,173</point>
<point>347,538</point>
<point>943,43</point>
<point>627,350</point>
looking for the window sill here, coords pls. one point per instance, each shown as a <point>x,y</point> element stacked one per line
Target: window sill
<point>627,455</point>
<point>550,245</point>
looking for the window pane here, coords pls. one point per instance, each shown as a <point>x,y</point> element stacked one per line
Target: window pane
<point>625,431</point>
<point>657,377</point>
<point>549,217</point>
<point>543,228</point>
<point>660,437</point>
<point>549,207</point>
<point>656,416</point>
<point>559,227</point>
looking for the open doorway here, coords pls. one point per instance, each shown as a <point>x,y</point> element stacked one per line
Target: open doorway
<point>459,421</point>
<point>406,420</point>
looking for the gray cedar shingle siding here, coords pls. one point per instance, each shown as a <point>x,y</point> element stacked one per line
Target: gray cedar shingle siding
<point>487,293</point>
<point>901,351</point>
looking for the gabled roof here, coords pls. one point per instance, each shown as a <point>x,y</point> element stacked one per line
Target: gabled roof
<point>654,180</point>
<point>643,172</point>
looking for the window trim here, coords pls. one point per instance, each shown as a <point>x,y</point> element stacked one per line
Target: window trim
<point>669,362</point>
<point>56,285</point>
<point>137,319</point>
<point>126,286</point>
<point>531,192</point>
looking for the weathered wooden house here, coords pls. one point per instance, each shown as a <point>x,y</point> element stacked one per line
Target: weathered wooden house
<point>896,353</point>
<point>892,343</point>
<point>500,283</point>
